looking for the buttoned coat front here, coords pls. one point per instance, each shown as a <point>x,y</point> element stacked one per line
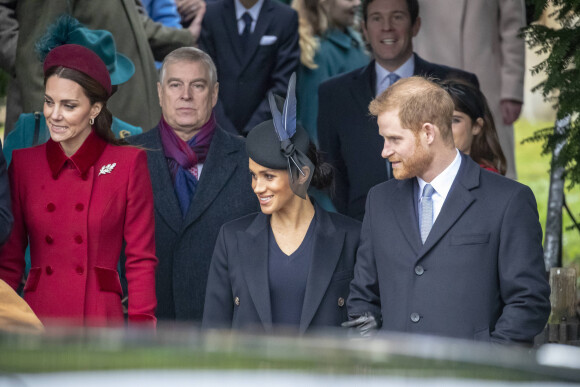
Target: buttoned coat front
<point>480,274</point>
<point>238,293</point>
<point>76,213</point>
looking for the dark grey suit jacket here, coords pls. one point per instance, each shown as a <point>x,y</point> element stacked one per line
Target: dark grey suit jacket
<point>239,269</point>
<point>246,76</point>
<point>184,245</point>
<point>480,274</point>
<point>349,135</point>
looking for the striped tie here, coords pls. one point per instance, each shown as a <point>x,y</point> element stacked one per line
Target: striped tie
<point>426,219</point>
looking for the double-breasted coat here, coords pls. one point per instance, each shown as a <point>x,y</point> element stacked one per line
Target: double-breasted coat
<point>238,294</point>
<point>77,212</point>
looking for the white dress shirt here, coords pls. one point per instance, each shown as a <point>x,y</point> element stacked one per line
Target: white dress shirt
<point>442,184</point>
<point>254,13</point>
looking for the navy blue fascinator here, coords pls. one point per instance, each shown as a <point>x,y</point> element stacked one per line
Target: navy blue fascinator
<point>281,143</point>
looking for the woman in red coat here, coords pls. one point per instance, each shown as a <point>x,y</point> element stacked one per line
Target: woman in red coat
<point>76,199</point>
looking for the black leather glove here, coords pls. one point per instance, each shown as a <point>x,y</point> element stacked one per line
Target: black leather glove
<point>364,324</point>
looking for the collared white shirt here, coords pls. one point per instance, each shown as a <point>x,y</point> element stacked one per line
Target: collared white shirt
<point>405,71</point>
<point>442,184</point>
<point>254,13</point>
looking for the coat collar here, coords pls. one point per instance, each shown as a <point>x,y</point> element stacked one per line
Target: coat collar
<point>328,244</point>
<point>345,40</point>
<point>457,202</point>
<point>83,159</point>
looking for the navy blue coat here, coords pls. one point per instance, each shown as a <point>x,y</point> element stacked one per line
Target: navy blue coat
<point>266,65</point>
<point>349,135</point>
<point>480,274</point>
<point>238,294</point>
<point>184,245</point>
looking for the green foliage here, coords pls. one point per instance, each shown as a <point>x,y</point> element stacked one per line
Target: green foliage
<point>562,85</point>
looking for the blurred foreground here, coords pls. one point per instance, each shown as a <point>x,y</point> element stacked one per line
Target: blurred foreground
<point>183,356</point>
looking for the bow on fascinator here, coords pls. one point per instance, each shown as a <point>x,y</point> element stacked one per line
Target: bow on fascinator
<point>300,168</point>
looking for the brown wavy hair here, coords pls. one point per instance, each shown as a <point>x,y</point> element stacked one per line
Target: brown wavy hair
<point>485,148</point>
<point>95,93</point>
<point>312,23</point>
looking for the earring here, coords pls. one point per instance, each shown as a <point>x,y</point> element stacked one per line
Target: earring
<point>91,121</point>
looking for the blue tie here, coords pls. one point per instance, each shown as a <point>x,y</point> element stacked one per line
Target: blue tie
<point>247,18</point>
<point>426,214</point>
<point>388,81</point>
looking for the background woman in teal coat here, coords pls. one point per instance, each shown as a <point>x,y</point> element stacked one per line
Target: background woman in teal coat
<point>328,46</point>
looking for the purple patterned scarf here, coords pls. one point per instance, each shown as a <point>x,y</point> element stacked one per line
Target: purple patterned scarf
<point>181,156</point>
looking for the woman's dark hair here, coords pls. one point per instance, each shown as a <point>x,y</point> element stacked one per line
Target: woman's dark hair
<point>323,176</point>
<point>485,148</point>
<point>95,93</point>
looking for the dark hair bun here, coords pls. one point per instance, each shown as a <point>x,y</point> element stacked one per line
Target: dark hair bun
<point>323,172</point>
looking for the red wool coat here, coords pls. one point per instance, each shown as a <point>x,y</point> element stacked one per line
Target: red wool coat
<point>76,213</point>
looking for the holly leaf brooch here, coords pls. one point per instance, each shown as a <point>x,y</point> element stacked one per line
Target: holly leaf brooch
<point>107,169</point>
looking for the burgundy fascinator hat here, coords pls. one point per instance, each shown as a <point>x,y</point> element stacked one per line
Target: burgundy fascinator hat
<point>82,59</point>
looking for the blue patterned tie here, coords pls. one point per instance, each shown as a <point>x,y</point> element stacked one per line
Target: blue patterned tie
<point>426,217</point>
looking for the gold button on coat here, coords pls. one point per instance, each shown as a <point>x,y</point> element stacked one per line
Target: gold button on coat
<point>237,301</point>
<point>340,302</point>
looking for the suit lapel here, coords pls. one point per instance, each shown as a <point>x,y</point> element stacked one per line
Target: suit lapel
<point>231,25</point>
<point>327,249</point>
<point>362,86</point>
<point>457,202</point>
<point>217,170</point>
<point>163,190</point>
<point>253,243</point>
<point>404,209</point>
<point>264,20</point>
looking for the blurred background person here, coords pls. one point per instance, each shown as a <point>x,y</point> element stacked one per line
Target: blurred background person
<point>346,132</point>
<point>164,12</point>
<point>137,36</point>
<point>188,10</point>
<point>77,199</point>
<point>473,126</point>
<point>481,36</point>
<point>254,45</point>
<point>328,46</point>
<point>289,266</point>
<point>30,129</point>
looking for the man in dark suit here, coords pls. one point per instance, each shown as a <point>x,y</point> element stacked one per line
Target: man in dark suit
<point>254,44</point>
<point>447,248</point>
<point>346,132</point>
<point>200,179</point>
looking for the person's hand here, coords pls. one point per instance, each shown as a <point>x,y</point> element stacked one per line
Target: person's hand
<point>364,324</point>
<point>195,26</point>
<point>510,110</point>
<point>188,9</point>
